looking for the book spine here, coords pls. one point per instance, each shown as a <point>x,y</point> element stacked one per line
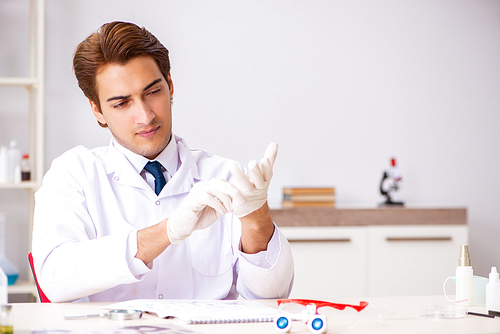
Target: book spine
<point>294,204</point>
<point>309,198</point>
<point>302,191</point>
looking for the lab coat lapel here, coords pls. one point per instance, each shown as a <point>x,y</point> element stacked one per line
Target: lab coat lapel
<point>188,170</point>
<point>120,170</point>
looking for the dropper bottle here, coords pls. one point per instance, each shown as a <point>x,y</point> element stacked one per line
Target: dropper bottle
<point>463,277</point>
<point>493,291</point>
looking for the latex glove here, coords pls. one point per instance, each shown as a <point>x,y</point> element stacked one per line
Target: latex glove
<point>206,202</point>
<point>254,188</point>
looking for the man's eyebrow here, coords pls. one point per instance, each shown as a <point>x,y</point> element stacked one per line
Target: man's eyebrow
<point>123,97</point>
<point>151,84</point>
<point>118,98</point>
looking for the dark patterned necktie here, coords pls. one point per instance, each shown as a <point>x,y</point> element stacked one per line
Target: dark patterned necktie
<point>154,167</point>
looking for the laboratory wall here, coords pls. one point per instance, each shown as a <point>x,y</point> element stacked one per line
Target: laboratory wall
<point>342,86</point>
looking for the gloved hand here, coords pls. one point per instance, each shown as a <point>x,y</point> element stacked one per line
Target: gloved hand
<point>206,202</point>
<point>254,188</point>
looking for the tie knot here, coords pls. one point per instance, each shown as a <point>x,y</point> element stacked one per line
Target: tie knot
<point>154,167</point>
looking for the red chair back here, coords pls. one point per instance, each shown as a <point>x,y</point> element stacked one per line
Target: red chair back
<point>43,297</point>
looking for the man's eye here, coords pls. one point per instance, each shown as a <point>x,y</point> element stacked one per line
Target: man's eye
<point>155,91</point>
<point>120,105</point>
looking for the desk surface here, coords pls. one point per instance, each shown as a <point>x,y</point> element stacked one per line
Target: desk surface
<point>35,316</point>
<point>365,217</point>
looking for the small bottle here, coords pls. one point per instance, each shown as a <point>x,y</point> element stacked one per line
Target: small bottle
<point>14,160</point>
<point>17,174</point>
<point>493,291</point>
<point>4,164</point>
<point>7,267</point>
<point>4,297</point>
<point>464,277</point>
<point>25,168</point>
<point>6,322</point>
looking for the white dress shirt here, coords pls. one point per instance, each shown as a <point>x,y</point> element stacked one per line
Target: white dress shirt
<point>93,202</point>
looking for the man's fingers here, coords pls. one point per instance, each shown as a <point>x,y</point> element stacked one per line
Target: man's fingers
<point>216,204</point>
<point>259,173</point>
<point>271,153</point>
<point>240,179</point>
<point>266,169</point>
<point>223,187</point>
<point>256,176</point>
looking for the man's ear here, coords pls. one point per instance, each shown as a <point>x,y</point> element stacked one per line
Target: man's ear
<point>98,114</point>
<point>170,85</point>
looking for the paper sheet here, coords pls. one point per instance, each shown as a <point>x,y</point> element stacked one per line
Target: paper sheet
<point>202,311</point>
<point>167,329</point>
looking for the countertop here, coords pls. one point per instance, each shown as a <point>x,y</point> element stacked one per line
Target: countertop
<point>406,317</point>
<point>370,216</point>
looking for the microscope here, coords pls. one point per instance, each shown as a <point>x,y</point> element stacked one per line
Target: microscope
<point>389,183</point>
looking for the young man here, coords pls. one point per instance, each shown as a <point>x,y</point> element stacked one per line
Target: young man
<point>147,217</point>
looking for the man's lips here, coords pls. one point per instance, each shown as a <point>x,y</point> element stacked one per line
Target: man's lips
<point>148,133</point>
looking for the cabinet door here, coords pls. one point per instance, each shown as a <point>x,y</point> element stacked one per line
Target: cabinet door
<point>329,261</point>
<point>412,260</point>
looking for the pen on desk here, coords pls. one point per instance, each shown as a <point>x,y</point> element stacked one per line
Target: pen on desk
<point>481,314</point>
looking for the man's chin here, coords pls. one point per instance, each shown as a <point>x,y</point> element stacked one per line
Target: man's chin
<point>153,152</point>
<point>146,148</point>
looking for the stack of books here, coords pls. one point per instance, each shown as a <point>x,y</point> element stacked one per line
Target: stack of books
<point>308,197</point>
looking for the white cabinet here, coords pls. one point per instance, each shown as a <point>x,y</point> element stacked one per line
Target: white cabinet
<point>335,261</point>
<point>412,260</point>
<point>329,262</point>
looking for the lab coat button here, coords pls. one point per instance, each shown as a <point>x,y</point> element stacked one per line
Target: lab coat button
<point>116,178</point>
<point>160,296</point>
<point>157,202</point>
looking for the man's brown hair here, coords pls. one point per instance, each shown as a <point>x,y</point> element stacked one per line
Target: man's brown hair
<point>116,43</point>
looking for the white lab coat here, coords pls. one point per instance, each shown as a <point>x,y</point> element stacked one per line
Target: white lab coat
<point>87,214</point>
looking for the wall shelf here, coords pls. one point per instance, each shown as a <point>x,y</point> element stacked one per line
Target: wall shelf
<point>19,81</point>
<point>23,185</point>
<point>34,83</point>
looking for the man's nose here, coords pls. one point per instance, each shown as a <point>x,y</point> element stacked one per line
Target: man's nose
<point>143,114</point>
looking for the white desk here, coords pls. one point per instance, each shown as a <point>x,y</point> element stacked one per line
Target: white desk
<point>35,316</point>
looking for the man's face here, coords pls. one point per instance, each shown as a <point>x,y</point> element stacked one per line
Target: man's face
<point>135,104</point>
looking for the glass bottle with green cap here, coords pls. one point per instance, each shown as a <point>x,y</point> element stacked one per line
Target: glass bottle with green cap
<point>6,325</point>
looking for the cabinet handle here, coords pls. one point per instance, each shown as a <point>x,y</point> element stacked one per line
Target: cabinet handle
<point>321,240</point>
<point>419,239</point>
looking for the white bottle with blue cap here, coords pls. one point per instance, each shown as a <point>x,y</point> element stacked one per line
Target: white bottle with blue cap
<point>493,291</point>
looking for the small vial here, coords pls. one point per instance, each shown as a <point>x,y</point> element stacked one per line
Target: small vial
<point>6,323</point>
<point>14,159</point>
<point>25,168</point>
<point>493,291</point>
